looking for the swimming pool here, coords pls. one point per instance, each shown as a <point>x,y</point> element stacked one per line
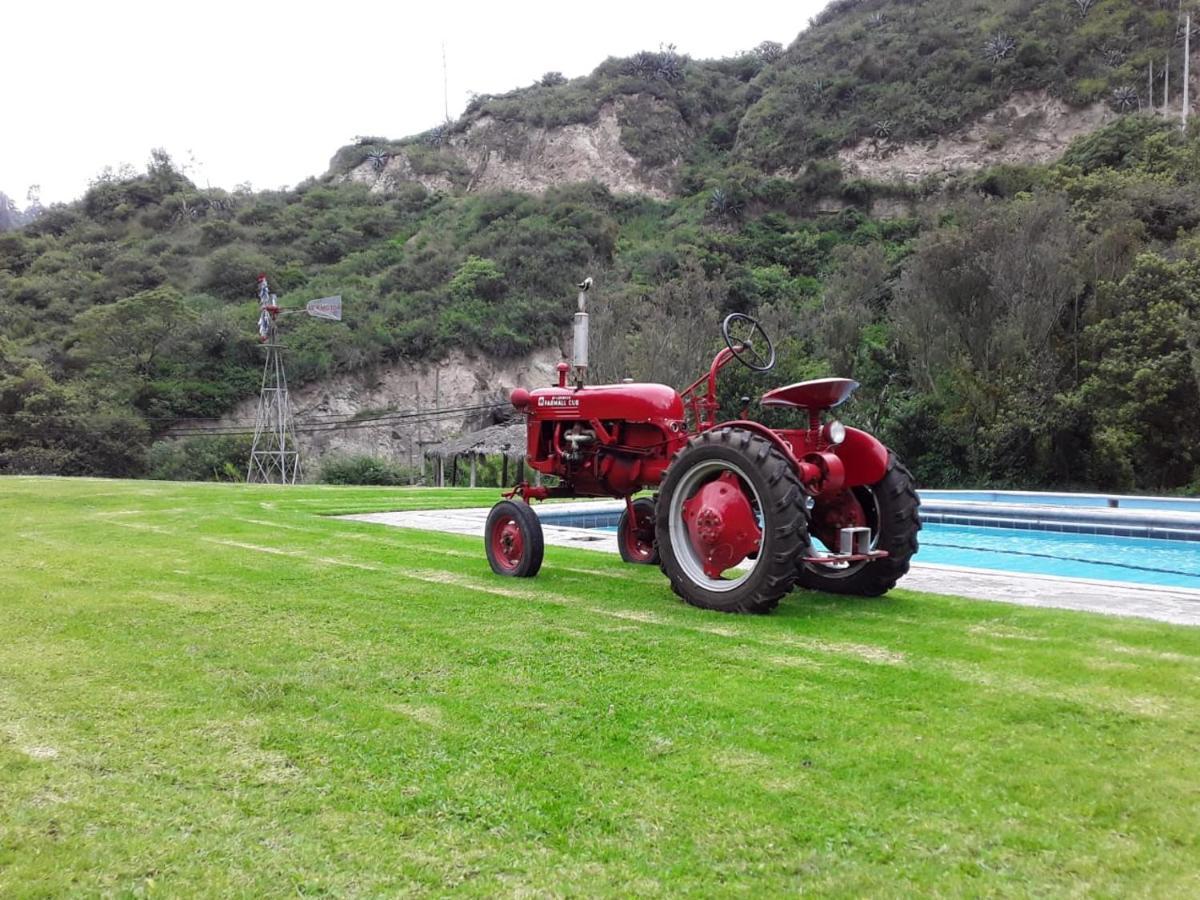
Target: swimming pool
<point>1106,557</point>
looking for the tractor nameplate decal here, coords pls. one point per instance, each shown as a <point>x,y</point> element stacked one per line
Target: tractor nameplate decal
<point>558,402</point>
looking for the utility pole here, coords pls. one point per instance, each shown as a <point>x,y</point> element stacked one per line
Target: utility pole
<point>1187,69</point>
<point>1150,91</point>
<point>445,84</point>
<point>437,402</point>
<point>420,443</point>
<point>1167,88</point>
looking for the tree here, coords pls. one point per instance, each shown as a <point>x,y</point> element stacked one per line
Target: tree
<point>769,51</point>
<point>231,272</point>
<point>130,335</point>
<point>477,279</point>
<point>1142,373</point>
<point>678,328</point>
<point>986,292</point>
<point>854,296</point>
<point>54,429</point>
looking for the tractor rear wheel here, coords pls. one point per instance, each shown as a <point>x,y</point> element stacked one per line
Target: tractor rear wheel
<point>635,540</point>
<point>730,522</point>
<point>890,508</point>
<point>513,540</point>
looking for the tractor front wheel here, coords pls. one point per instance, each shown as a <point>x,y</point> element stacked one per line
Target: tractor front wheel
<point>513,540</point>
<point>890,508</point>
<point>730,522</point>
<point>636,539</point>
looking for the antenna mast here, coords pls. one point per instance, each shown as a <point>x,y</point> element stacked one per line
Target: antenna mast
<point>274,455</point>
<point>1187,69</point>
<point>445,84</point>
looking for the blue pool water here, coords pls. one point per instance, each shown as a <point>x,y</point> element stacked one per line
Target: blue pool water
<point>1134,560</point>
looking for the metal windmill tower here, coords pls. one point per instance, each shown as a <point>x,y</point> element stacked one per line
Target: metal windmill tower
<point>275,455</point>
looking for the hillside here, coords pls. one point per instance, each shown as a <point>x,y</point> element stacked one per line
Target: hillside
<point>887,193</point>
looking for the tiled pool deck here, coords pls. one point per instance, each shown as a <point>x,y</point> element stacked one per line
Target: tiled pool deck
<point>1177,605</point>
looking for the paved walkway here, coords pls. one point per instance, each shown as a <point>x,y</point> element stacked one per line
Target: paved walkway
<point>1177,605</point>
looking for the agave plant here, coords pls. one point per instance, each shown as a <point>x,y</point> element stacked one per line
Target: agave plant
<point>665,65</point>
<point>724,205</point>
<point>378,158</point>
<point>999,46</point>
<point>883,129</point>
<point>1084,6</point>
<point>1125,98</point>
<point>876,19</point>
<point>438,135</point>
<point>671,70</point>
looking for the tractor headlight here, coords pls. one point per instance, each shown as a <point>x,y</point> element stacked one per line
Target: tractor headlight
<point>835,433</point>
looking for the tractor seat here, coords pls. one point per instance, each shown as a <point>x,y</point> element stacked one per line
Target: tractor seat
<point>824,393</point>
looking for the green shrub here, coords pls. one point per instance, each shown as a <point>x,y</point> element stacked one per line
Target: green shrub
<point>232,272</point>
<point>208,458</point>
<point>364,470</point>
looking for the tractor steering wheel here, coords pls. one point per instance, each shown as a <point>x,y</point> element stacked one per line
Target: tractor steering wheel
<point>748,342</point>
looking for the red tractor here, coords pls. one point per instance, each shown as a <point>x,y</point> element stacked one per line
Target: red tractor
<point>744,513</point>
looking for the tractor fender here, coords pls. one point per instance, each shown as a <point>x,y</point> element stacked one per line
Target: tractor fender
<point>864,456</point>
<point>760,429</point>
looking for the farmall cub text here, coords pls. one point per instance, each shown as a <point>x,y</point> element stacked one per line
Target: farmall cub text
<point>744,513</point>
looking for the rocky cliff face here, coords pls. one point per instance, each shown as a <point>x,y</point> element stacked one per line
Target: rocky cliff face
<point>1032,127</point>
<point>493,155</point>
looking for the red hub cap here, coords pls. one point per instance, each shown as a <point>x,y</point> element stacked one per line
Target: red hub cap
<point>639,537</point>
<point>721,524</point>
<point>508,544</point>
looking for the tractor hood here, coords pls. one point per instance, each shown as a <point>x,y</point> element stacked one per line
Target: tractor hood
<point>629,402</point>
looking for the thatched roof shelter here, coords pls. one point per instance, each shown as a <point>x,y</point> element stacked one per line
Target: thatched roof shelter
<point>495,440</point>
<point>507,441</point>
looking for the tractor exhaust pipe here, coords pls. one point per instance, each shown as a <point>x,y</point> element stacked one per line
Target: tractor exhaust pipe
<point>580,346</point>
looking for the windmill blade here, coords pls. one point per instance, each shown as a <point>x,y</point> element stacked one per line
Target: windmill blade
<point>325,308</point>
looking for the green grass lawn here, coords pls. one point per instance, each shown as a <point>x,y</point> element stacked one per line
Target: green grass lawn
<point>212,689</point>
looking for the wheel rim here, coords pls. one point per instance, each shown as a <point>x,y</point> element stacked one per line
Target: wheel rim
<point>508,542</point>
<point>681,540</point>
<point>639,537</point>
<point>870,507</point>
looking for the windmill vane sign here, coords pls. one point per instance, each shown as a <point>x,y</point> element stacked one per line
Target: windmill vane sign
<point>325,308</point>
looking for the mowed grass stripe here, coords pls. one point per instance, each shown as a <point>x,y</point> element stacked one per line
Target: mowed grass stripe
<point>364,711</point>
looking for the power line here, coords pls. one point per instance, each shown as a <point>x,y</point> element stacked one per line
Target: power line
<point>303,425</point>
<point>334,418</point>
<point>333,428</point>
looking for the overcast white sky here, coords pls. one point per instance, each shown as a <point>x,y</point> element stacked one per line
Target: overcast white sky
<point>265,91</point>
